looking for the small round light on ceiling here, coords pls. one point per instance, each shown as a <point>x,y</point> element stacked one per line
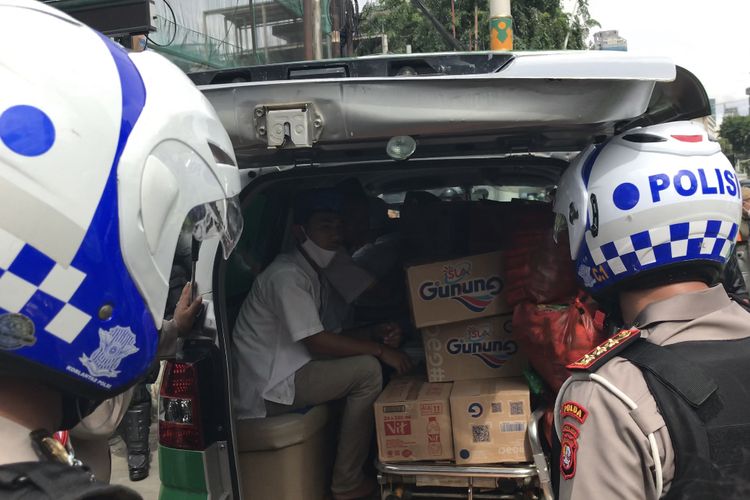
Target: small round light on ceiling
<point>401,147</point>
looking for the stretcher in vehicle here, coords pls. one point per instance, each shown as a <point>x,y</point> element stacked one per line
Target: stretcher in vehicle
<point>501,481</point>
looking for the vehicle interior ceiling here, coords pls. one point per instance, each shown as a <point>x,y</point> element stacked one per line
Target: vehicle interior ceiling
<point>267,200</point>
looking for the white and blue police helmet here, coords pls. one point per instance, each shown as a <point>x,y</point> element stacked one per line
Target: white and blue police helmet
<point>104,156</point>
<point>653,205</point>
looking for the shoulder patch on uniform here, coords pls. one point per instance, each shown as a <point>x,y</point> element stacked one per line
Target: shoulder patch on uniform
<point>604,351</point>
<point>568,450</point>
<point>575,410</point>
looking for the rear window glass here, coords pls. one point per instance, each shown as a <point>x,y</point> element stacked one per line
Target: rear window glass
<point>395,200</point>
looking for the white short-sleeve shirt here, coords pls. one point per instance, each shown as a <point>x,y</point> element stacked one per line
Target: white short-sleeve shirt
<point>281,309</point>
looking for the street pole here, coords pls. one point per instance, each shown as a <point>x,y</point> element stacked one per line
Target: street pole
<point>264,19</point>
<point>336,29</point>
<point>567,35</point>
<point>307,18</point>
<point>476,26</point>
<point>453,17</point>
<point>317,32</point>
<point>501,25</point>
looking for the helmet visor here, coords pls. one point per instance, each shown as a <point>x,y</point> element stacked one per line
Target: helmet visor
<point>561,226</point>
<point>222,218</point>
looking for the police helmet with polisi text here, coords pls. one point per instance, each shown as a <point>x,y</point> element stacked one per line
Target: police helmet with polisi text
<point>652,205</point>
<point>105,158</point>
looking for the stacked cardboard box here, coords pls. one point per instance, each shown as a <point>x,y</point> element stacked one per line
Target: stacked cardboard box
<point>481,348</point>
<point>489,419</point>
<point>475,405</point>
<point>412,421</point>
<point>470,421</point>
<point>457,290</point>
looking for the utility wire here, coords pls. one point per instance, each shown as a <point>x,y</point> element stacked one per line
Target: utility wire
<point>174,34</point>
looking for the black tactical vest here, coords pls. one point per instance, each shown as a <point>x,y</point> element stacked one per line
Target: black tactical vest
<point>702,390</point>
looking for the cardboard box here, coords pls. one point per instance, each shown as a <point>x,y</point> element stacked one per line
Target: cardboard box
<point>413,421</point>
<point>490,418</point>
<point>457,290</point>
<point>482,348</point>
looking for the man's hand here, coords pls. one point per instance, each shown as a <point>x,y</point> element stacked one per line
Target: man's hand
<point>185,312</point>
<point>396,359</point>
<point>389,334</point>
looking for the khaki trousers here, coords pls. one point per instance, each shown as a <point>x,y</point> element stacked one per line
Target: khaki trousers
<point>357,380</point>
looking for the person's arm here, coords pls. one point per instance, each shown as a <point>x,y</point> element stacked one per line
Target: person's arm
<point>185,313</point>
<point>291,296</point>
<point>331,344</point>
<point>389,333</point>
<point>607,455</point>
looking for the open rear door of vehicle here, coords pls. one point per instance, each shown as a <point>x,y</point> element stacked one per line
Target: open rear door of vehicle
<point>532,102</point>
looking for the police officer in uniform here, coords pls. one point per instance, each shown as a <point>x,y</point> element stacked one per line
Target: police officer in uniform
<point>105,157</point>
<point>662,408</point>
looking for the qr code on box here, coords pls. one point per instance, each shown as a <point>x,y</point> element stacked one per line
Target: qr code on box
<point>516,407</point>
<point>497,407</point>
<point>480,433</point>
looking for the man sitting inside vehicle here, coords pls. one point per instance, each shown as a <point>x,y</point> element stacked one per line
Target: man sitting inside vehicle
<point>284,359</point>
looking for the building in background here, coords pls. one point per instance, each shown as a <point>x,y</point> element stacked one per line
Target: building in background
<point>609,40</point>
<point>212,34</point>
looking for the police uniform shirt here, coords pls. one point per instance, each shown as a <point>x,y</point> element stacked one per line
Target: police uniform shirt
<point>608,451</point>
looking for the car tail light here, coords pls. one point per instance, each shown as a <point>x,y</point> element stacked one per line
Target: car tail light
<point>179,407</point>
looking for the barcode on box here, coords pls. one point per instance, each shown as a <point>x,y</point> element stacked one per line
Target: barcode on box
<point>394,409</point>
<point>497,407</point>
<point>516,407</point>
<point>480,433</point>
<point>513,426</point>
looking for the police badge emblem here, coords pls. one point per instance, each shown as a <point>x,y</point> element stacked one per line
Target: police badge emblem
<point>569,447</point>
<point>115,344</point>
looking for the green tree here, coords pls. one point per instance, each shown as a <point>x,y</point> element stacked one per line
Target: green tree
<point>726,148</point>
<point>537,25</point>
<point>735,130</point>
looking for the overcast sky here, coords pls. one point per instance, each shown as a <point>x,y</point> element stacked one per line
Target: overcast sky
<point>709,38</point>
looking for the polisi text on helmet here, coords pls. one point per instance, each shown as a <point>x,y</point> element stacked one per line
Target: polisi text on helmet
<point>688,182</point>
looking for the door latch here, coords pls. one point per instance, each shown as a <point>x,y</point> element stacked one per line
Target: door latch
<point>294,126</point>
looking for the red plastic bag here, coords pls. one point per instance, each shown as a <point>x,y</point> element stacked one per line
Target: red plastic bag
<point>553,336</point>
<point>539,271</point>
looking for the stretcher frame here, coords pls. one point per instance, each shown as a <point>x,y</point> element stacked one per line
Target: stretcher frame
<point>388,473</point>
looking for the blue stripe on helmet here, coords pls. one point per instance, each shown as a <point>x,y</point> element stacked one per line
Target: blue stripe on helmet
<point>588,166</point>
<point>107,280</point>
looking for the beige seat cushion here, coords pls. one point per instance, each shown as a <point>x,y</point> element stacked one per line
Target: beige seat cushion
<point>274,433</point>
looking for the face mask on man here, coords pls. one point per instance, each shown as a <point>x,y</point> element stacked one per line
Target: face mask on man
<point>318,254</point>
